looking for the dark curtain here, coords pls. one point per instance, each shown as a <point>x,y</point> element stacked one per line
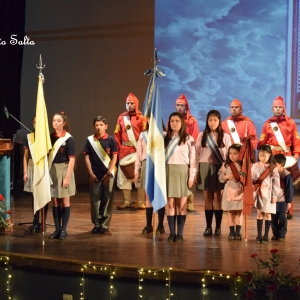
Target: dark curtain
<point>12,21</point>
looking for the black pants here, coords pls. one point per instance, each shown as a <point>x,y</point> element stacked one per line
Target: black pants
<point>279,224</point>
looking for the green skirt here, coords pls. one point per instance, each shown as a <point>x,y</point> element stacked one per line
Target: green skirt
<point>209,177</point>
<point>58,173</point>
<point>177,181</point>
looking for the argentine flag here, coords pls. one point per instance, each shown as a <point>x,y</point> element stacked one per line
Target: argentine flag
<point>155,160</point>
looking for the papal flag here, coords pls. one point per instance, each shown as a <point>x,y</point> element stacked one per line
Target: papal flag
<point>42,145</point>
<point>155,160</point>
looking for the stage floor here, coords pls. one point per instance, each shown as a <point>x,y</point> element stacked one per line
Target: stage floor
<point>126,248</point>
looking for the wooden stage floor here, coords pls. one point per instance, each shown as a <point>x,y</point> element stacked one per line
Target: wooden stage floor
<point>126,248</point>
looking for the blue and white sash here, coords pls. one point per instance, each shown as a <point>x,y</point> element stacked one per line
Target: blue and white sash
<point>171,148</point>
<point>214,149</point>
<point>145,136</point>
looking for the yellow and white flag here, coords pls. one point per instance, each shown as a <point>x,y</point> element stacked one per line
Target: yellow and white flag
<point>42,180</point>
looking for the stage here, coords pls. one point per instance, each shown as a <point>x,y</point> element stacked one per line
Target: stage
<point>130,254</point>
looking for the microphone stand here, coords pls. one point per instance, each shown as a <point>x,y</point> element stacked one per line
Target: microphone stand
<point>7,114</point>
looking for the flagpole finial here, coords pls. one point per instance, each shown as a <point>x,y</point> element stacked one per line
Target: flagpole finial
<point>41,67</point>
<point>155,69</point>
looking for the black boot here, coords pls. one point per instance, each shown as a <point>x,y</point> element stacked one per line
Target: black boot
<point>57,219</point>
<point>65,216</point>
<point>180,225</point>
<point>161,215</point>
<point>148,228</point>
<point>171,222</point>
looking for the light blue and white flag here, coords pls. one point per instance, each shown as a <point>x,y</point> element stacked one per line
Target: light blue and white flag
<point>155,160</point>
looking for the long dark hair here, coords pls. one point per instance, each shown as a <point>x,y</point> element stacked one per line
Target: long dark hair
<point>219,130</point>
<point>236,147</point>
<point>183,136</point>
<point>65,119</point>
<point>268,149</point>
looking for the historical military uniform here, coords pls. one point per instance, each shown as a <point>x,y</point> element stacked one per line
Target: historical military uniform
<point>128,129</point>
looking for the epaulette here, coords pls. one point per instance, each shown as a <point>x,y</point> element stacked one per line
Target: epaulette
<point>262,137</point>
<point>117,128</point>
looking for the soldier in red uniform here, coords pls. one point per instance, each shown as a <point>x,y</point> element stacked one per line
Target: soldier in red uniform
<point>242,131</point>
<point>129,126</point>
<point>192,128</point>
<point>239,126</point>
<point>281,133</point>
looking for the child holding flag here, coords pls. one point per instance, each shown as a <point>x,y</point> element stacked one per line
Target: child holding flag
<point>140,176</point>
<point>61,165</point>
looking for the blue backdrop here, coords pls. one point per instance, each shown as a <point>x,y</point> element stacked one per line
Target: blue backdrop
<point>215,51</point>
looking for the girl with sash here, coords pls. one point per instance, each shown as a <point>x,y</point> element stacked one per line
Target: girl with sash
<point>140,177</point>
<point>28,168</point>
<point>61,165</point>
<point>101,152</point>
<point>212,147</point>
<point>181,171</point>
<point>233,194</point>
<point>266,181</point>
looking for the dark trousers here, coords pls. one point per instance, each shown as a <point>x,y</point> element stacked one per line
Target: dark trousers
<point>279,224</point>
<point>102,201</point>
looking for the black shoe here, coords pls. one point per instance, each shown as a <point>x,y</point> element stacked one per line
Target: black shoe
<point>258,239</point>
<point>238,237</point>
<point>147,229</point>
<point>95,229</point>
<point>32,229</point>
<point>274,238</point>
<point>63,235</point>
<point>281,238</point>
<point>102,230</point>
<point>265,240</point>
<point>178,238</point>
<point>172,237</point>
<point>160,230</point>
<point>217,232</point>
<point>289,216</point>
<point>208,231</point>
<point>231,236</point>
<point>54,235</point>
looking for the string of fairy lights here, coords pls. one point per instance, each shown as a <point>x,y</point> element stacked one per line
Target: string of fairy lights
<point>7,268</point>
<point>111,273</point>
<point>142,274</point>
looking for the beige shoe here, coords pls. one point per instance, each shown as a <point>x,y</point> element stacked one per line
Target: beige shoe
<point>190,203</point>
<point>190,207</point>
<point>124,205</point>
<point>141,205</point>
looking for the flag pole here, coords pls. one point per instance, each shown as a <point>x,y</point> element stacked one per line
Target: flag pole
<point>40,67</point>
<point>155,159</point>
<point>245,217</point>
